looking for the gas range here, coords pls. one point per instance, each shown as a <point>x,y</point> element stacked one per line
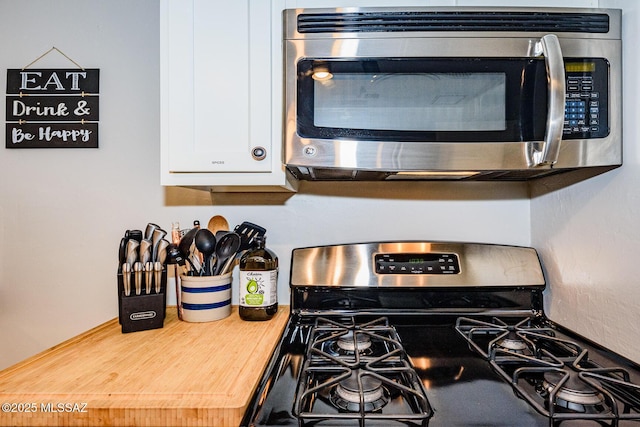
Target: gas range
<point>434,334</point>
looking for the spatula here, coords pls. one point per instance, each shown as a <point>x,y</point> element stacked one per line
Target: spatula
<point>248,233</point>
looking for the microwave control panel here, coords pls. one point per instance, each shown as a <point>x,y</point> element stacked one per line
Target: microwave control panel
<point>418,263</point>
<point>586,104</point>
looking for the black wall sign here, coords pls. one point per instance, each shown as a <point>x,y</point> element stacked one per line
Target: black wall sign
<point>52,108</point>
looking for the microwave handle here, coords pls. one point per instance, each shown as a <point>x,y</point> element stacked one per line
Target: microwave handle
<point>547,154</point>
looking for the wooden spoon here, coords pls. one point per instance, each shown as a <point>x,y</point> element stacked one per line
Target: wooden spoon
<point>218,223</point>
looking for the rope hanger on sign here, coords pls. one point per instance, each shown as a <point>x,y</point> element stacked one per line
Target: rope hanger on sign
<point>83,94</point>
<point>48,52</point>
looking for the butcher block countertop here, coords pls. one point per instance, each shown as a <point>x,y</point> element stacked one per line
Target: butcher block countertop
<point>191,374</point>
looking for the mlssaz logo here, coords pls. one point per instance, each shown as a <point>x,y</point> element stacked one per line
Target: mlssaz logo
<point>143,315</point>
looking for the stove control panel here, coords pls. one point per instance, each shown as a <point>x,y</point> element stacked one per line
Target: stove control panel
<point>417,263</point>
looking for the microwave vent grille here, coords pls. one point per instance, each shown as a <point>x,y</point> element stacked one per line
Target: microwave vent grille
<point>362,22</point>
<point>304,173</point>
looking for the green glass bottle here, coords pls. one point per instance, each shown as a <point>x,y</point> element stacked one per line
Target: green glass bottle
<point>258,283</point>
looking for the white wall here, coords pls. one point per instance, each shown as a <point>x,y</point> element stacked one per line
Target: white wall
<point>62,209</point>
<point>63,212</point>
<point>588,234</point>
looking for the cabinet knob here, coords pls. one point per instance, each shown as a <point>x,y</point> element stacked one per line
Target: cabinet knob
<point>258,153</point>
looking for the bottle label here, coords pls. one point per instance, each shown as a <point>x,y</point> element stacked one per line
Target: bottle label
<point>258,288</point>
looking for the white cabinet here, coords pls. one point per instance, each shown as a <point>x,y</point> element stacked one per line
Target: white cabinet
<point>221,91</point>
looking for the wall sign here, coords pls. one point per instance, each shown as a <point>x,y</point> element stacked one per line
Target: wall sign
<point>52,108</point>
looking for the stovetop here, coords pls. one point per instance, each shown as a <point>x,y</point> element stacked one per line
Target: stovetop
<point>458,348</point>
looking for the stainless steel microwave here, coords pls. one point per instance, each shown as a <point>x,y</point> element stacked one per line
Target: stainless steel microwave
<point>451,93</point>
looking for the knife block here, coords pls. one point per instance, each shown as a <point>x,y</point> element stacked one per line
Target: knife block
<point>144,311</point>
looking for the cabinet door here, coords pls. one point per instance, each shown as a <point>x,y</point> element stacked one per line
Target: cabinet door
<point>216,90</point>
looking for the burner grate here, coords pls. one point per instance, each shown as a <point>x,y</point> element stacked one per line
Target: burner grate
<point>555,376</point>
<point>359,372</point>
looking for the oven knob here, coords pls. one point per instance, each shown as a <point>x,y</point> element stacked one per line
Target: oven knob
<point>259,153</point>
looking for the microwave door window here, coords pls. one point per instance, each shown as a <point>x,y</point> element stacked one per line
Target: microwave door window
<point>422,99</point>
<point>422,102</point>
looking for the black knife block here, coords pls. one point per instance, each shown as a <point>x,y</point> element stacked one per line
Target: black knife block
<point>144,311</point>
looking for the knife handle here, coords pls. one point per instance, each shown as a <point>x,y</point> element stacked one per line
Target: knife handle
<point>122,251</point>
<point>157,272</point>
<point>148,276</point>
<point>137,274</point>
<point>126,278</point>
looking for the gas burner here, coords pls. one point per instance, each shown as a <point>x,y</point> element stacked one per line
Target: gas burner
<point>570,393</point>
<point>512,342</point>
<point>487,337</point>
<point>496,338</point>
<point>347,394</point>
<point>344,342</point>
<point>352,342</point>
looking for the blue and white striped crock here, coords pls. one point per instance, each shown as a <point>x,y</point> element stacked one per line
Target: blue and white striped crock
<point>205,298</point>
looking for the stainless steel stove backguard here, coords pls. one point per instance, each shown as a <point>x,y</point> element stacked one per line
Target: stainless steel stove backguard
<point>416,264</point>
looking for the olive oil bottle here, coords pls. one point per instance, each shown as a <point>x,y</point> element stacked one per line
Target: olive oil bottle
<point>258,283</point>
